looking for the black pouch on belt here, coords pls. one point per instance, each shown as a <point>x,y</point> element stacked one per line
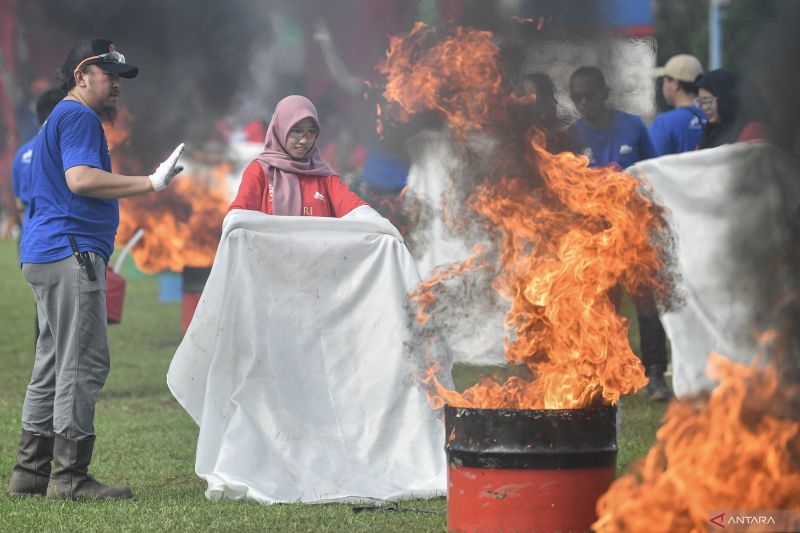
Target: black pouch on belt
<point>83,259</point>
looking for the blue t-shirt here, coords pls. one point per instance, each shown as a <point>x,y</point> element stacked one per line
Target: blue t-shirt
<point>623,143</point>
<point>383,170</point>
<point>678,130</point>
<point>21,175</point>
<point>72,135</point>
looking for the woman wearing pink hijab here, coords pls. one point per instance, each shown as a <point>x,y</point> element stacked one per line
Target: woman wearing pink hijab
<point>290,177</point>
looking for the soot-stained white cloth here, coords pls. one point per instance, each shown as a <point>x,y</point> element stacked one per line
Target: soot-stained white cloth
<point>730,207</point>
<point>295,370</point>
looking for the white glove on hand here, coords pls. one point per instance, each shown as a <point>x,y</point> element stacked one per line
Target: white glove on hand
<point>167,170</point>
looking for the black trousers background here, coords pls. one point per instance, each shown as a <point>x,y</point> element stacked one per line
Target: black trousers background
<point>653,343</point>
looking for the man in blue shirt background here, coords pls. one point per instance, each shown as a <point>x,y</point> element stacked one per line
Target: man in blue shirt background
<point>66,244</point>
<point>675,131</point>
<point>615,138</point>
<point>21,167</point>
<point>678,130</point>
<point>22,164</point>
<point>609,136</point>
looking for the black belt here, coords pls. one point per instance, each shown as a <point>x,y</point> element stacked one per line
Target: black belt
<point>83,259</point>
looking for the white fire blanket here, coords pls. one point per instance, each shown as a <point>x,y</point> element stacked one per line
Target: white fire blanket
<point>476,337</point>
<point>728,206</point>
<point>294,366</point>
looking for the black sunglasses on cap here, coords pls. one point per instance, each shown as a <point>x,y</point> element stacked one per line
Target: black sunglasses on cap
<point>111,62</point>
<point>114,57</point>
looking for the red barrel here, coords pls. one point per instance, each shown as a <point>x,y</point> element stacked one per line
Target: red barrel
<point>528,469</point>
<point>115,296</point>
<point>194,281</point>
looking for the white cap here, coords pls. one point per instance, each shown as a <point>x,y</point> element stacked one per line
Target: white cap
<point>683,67</point>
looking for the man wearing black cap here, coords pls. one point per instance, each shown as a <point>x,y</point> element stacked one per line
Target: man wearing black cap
<point>68,239</point>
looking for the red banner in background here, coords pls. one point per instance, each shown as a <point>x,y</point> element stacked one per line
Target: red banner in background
<point>9,88</point>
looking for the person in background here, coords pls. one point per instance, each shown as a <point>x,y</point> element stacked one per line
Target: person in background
<point>290,177</point>
<point>27,123</point>
<point>610,137</point>
<point>675,131</point>
<point>66,245</point>
<point>544,112</point>
<point>382,162</point>
<point>620,139</point>
<point>678,130</point>
<point>540,85</point>
<point>21,166</point>
<point>718,97</point>
<point>388,160</point>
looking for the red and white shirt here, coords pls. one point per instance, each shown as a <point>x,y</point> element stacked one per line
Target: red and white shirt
<point>321,196</point>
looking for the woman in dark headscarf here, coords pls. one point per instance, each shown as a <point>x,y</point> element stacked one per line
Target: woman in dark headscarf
<point>718,98</point>
<point>290,177</point>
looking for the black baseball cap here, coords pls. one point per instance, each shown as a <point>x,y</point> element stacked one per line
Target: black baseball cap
<point>100,52</point>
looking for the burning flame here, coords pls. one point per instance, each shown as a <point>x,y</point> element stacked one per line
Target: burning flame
<point>424,295</point>
<point>570,234</point>
<point>457,77</point>
<point>738,450</point>
<point>182,224</point>
<point>118,134</point>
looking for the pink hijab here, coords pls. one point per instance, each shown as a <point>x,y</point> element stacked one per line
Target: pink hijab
<point>286,172</point>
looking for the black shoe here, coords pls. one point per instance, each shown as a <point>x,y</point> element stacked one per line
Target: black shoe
<point>657,389</point>
<point>32,471</point>
<point>70,478</point>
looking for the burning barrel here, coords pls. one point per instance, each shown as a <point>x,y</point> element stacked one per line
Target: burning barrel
<point>528,469</point>
<point>194,280</point>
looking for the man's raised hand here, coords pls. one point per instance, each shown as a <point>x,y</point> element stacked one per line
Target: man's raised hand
<point>167,170</point>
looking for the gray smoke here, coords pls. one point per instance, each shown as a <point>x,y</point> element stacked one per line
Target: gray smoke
<point>194,58</point>
<point>767,242</point>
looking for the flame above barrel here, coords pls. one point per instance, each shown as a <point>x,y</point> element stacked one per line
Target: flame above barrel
<point>570,235</point>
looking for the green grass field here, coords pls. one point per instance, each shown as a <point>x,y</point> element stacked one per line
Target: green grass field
<point>147,441</point>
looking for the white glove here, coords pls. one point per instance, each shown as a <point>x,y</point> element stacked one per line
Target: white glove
<point>167,170</point>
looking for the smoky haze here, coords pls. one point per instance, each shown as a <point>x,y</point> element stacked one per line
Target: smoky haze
<point>193,58</point>
<point>767,242</point>
<point>468,312</point>
<point>201,61</point>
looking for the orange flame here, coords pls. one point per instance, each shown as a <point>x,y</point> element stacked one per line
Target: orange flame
<point>423,293</point>
<point>118,134</point>
<point>570,234</point>
<point>565,247</point>
<point>458,77</point>
<point>441,395</point>
<point>735,451</point>
<point>182,225</point>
